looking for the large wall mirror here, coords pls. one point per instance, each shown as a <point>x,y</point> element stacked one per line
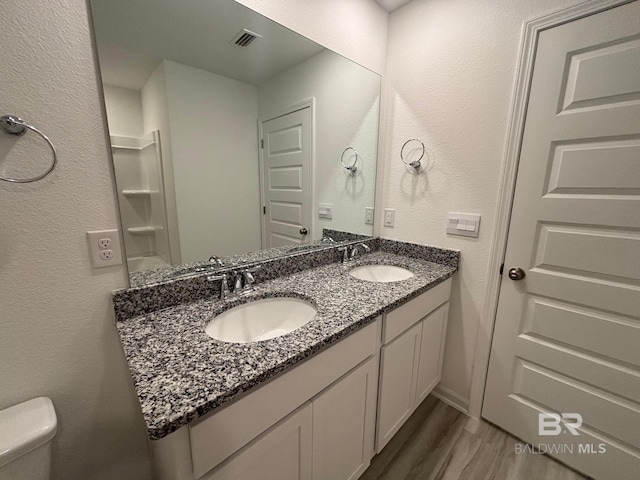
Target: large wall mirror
<point>231,134</point>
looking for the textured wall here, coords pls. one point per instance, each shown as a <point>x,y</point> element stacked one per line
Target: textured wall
<point>449,81</point>
<point>356,29</point>
<point>57,333</point>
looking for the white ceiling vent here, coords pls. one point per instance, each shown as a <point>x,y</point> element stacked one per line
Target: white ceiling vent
<point>244,38</point>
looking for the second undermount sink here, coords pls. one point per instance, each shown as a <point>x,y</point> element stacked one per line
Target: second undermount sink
<point>381,273</point>
<point>261,320</point>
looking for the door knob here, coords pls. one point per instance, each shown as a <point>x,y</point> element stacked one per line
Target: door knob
<point>303,231</point>
<point>516,273</point>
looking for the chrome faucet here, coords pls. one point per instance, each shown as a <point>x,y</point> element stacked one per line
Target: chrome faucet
<point>349,255</point>
<point>355,250</point>
<point>247,279</point>
<point>224,284</point>
<point>242,281</point>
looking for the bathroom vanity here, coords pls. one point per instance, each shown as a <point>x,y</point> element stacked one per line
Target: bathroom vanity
<point>316,403</point>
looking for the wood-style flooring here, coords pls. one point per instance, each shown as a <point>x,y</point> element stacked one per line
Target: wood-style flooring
<point>434,445</point>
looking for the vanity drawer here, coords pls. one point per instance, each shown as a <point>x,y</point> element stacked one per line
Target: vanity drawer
<point>403,317</point>
<point>218,435</point>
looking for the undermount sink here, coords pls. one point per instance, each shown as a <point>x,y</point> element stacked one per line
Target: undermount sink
<point>261,320</point>
<point>381,273</point>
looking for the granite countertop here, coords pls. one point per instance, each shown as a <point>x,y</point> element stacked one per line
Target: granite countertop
<point>181,374</point>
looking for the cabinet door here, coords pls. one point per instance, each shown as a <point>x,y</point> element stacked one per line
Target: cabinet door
<point>344,424</point>
<point>398,372</point>
<point>281,453</point>
<point>434,329</point>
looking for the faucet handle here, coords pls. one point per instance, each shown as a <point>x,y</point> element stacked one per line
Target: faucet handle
<point>224,286</point>
<point>237,282</point>
<point>214,259</point>
<point>345,253</point>
<point>249,279</point>
<point>356,250</point>
<point>214,278</point>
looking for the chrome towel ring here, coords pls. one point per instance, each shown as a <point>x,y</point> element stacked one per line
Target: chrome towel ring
<point>415,163</point>
<point>352,168</point>
<point>14,125</point>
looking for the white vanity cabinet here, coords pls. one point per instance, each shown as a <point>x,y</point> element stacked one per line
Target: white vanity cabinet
<point>283,452</point>
<point>434,331</point>
<point>344,419</point>
<point>411,358</point>
<point>323,409</point>
<point>398,373</point>
<point>325,418</point>
<point>330,437</point>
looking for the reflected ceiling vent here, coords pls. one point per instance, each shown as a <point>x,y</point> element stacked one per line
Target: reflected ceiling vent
<point>244,38</point>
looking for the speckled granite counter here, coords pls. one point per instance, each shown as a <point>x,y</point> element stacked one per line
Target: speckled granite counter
<point>181,374</point>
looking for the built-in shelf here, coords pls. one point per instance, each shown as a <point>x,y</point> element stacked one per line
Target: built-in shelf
<point>136,193</point>
<point>131,143</point>
<point>146,230</point>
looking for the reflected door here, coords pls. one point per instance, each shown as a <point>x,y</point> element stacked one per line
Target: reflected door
<point>567,335</point>
<point>286,179</point>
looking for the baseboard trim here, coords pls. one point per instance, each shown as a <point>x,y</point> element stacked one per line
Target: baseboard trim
<point>450,397</point>
<point>472,425</point>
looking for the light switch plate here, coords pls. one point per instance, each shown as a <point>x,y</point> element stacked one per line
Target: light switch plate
<point>104,248</point>
<point>368,215</point>
<point>389,217</point>
<point>325,210</point>
<point>465,224</point>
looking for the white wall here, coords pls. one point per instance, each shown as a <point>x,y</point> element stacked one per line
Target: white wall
<point>155,116</point>
<point>214,142</point>
<point>449,81</point>
<point>346,114</point>
<point>124,111</point>
<point>57,332</point>
<point>356,29</point>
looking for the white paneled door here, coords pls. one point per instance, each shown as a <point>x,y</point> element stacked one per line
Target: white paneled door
<point>286,178</point>
<point>567,335</point>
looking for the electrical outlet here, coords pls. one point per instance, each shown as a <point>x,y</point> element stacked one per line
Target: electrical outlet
<point>368,215</point>
<point>104,248</point>
<point>106,254</point>
<point>105,242</point>
<point>389,217</point>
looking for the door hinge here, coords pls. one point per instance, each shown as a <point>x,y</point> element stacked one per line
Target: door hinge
<point>501,269</point>
<point>264,210</point>
<point>262,143</point>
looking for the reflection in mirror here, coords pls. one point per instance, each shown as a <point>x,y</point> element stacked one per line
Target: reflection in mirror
<point>231,134</point>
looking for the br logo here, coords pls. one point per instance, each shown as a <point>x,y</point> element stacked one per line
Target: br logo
<point>552,424</point>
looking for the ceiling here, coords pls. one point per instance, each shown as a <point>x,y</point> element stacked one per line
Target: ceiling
<point>134,36</point>
<point>391,5</point>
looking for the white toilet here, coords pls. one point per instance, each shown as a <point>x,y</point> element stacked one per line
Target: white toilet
<point>26,431</point>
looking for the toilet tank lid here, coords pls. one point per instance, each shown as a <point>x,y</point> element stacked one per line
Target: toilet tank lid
<point>25,427</point>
